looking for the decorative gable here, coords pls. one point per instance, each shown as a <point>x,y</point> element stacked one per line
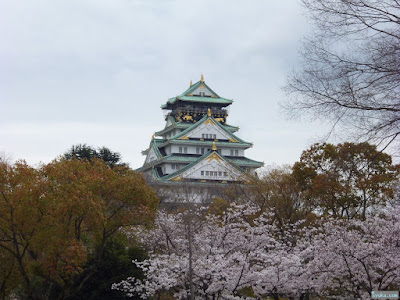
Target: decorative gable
<point>150,156</point>
<point>212,167</point>
<point>203,91</point>
<point>208,129</point>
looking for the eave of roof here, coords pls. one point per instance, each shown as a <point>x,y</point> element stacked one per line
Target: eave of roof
<point>245,162</point>
<point>154,144</point>
<point>207,143</point>
<point>172,127</point>
<point>197,85</point>
<point>186,159</point>
<point>201,121</point>
<point>187,96</point>
<point>182,125</point>
<point>190,183</point>
<point>198,99</point>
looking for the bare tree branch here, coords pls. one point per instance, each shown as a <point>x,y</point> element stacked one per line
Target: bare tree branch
<point>350,70</point>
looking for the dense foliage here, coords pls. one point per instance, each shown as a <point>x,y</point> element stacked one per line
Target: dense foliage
<point>56,218</point>
<point>85,152</point>
<point>327,227</point>
<point>349,180</point>
<point>346,180</point>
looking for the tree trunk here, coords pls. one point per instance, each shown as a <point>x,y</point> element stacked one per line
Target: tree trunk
<point>190,262</point>
<point>364,205</point>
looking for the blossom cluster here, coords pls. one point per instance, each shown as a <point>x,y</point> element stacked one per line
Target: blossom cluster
<point>242,254</point>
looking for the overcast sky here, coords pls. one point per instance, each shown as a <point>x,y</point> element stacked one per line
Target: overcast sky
<point>96,72</point>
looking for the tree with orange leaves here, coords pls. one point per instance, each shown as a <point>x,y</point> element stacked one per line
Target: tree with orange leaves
<point>347,180</point>
<point>54,217</point>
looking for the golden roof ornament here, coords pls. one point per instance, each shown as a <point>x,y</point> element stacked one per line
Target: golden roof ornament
<point>153,136</point>
<point>209,112</point>
<point>214,147</point>
<point>191,83</point>
<point>202,78</point>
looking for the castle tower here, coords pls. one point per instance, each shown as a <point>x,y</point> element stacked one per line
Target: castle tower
<point>197,146</point>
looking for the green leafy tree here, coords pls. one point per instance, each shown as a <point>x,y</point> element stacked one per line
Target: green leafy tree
<point>83,151</point>
<point>347,179</point>
<point>116,265</point>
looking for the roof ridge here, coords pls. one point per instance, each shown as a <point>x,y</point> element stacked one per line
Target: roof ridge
<point>191,88</point>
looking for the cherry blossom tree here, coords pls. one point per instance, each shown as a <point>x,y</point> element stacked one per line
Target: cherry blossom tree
<point>234,255</point>
<point>350,259</point>
<point>242,254</point>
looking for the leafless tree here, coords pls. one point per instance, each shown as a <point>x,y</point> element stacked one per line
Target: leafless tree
<point>350,70</point>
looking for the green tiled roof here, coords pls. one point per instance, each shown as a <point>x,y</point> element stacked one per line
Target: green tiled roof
<point>187,159</point>
<point>240,161</point>
<point>208,183</point>
<point>147,166</point>
<point>197,99</point>
<point>245,162</point>
<point>155,145</point>
<point>197,85</point>
<point>201,99</point>
<point>230,128</point>
<point>186,96</point>
<point>171,127</point>
<point>205,118</point>
<point>208,143</point>
<point>227,127</point>
<point>187,166</point>
<point>173,158</point>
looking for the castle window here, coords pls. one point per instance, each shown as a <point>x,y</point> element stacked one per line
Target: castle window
<point>214,136</point>
<point>219,173</point>
<point>202,150</point>
<point>225,174</point>
<point>236,152</point>
<point>202,173</point>
<point>231,152</point>
<point>184,149</point>
<point>181,150</point>
<point>207,173</point>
